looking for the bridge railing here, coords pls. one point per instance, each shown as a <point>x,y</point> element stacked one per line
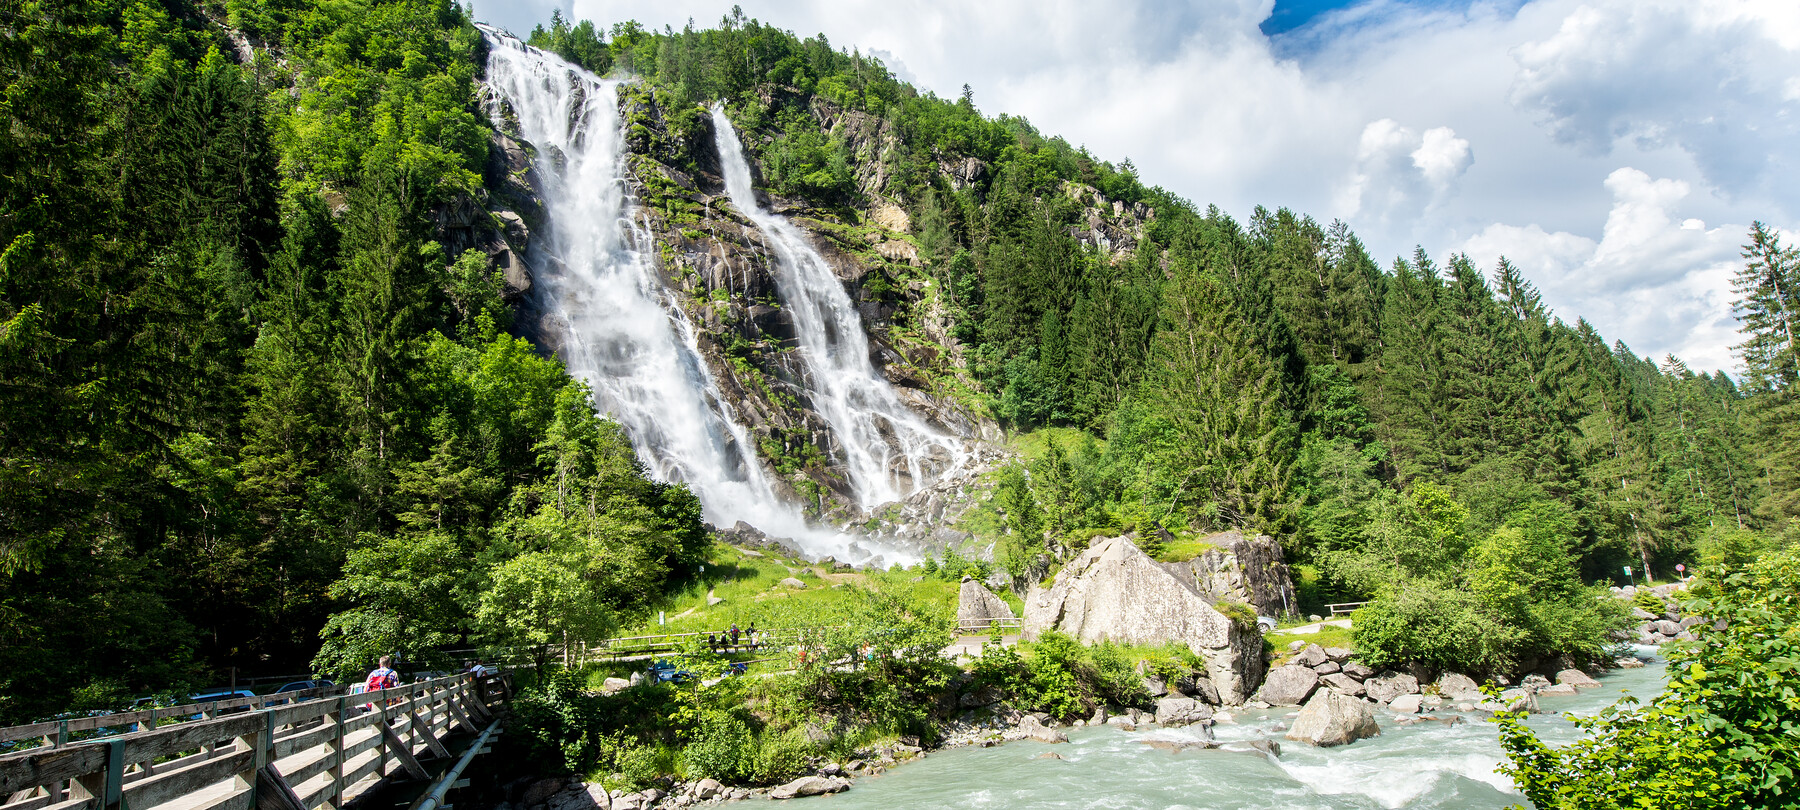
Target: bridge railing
<point>299,756</point>
<point>974,627</point>
<point>1343,607</point>
<point>63,731</point>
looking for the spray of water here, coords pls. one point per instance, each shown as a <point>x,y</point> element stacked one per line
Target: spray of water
<point>607,312</point>
<point>886,448</point>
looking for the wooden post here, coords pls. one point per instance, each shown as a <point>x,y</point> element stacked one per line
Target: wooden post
<point>336,791</point>
<point>273,792</point>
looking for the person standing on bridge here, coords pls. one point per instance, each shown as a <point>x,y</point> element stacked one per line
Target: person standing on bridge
<point>382,676</point>
<point>750,635</point>
<point>734,636</point>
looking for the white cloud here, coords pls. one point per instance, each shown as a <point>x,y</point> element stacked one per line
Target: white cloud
<point>1712,79</point>
<point>1376,113</point>
<point>1399,174</point>
<point>1660,284</point>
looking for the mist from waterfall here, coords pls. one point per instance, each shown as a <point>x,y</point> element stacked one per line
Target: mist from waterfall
<point>607,312</point>
<point>887,449</point>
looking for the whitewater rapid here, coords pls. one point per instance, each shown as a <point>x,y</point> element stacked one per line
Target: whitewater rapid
<point>1423,766</point>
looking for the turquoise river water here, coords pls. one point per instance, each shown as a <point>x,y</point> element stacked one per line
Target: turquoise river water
<point>1424,765</point>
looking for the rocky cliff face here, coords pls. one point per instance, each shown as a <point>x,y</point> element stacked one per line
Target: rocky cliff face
<point>1243,569</point>
<point>1115,591</point>
<point>719,269</point>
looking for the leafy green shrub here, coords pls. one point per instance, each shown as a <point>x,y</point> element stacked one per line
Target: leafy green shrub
<point>1443,628</point>
<point>721,749</point>
<point>1722,734</point>
<point>781,757</point>
<point>1649,601</point>
<point>641,764</point>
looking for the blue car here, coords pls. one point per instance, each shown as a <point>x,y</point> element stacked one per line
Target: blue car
<point>300,686</point>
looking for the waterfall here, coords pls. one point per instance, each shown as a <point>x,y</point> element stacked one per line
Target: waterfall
<point>887,449</point>
<point>606,310</point>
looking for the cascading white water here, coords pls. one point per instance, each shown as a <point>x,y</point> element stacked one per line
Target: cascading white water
<point>606,309</point>
<point>887,449</point>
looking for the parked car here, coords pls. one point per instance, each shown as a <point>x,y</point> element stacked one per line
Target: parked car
<point>665,672</point>
<point>300,686</point>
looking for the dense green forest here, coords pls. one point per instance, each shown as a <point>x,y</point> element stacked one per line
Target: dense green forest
<point>245,394</point>
<point>255,414</point>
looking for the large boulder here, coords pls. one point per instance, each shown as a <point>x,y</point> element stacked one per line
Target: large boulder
<point>1113,591</point>
<point>1179,711</point>
<point>1344,683</point>
<point>1311,656</point>
<point>1331,719</point>
<point>809,786</point>
<point>1240,569</point>
<point>1577,679</point>
<point>1288,686</point>
<point>977,607</point>
<point>1389,685</point>
<point>1454,686</point>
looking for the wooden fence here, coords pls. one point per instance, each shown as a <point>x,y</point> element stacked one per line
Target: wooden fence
<point>974,627</point>
<point>318,753</point>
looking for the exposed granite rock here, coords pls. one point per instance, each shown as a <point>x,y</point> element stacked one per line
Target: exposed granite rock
<point>1389,685</point>
<point>1180,711</point>
<point>1334,719</point>
<point>976,606</point>
<point>1240,569</point>
<point>1288,686</point>
<point>1114,591</point>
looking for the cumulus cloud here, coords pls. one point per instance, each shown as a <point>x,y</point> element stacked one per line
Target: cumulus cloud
<point>1660,283</point>
<point>1399,174</point>
<point>1715,80</point>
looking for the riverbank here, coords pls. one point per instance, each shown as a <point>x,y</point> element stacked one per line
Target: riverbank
<point>1423,765</point>
<point>1444,759</point>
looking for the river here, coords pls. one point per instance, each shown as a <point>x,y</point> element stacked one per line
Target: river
<point>1425,765</point>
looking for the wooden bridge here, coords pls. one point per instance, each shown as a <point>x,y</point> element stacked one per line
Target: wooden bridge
<point>297,751</point>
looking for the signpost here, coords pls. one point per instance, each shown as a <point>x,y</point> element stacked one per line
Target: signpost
<point>1628,575</point>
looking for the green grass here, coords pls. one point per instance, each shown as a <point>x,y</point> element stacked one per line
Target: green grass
<point>1183,549</point>
<point>752,594</point>
<point>1328,636</point>
<point>1035,444</point>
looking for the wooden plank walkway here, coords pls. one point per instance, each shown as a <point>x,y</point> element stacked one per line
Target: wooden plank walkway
<point>306,755</point>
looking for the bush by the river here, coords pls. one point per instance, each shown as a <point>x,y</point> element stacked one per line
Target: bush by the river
<point>1724,733</point>
<point>1489,604</point>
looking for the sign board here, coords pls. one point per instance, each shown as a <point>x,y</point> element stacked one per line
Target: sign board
<point>1627,570</point>
<point>1679,568</point>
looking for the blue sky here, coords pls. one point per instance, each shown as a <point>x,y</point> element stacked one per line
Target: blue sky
<point>1615,150</point>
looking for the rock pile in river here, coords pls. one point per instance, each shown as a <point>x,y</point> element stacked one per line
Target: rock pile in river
<point>1113,591</point>
<point>1667,622</point>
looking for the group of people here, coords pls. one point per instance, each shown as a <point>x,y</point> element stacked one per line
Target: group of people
<point>733,640</point>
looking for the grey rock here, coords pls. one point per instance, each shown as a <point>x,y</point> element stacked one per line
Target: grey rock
<point>541,791</point>
<point>1178,711</point>
<point>1288,686</point>
<point>1668,628</point>
<point>1338,654</point>
<point>790,582</point>
<point>1311,656</point>
<point>1202,688</point>
<point>1453,686</point>
<point>985,696</point>
<point>1389,685</point>
<point>1327,668</point>
<point>1407,704</point>
<point>1358,670</point>
<point>1558,690</point>
<point>588,797</point>
<point>1099,717</point>
<point>707,788</point>
<point>1534,682</point>
<point>809,786</point>
<point>1248,570</point>
<point>1332,719</point>
<point>1030,729</point>
<point>1155,686</point>
<point>977,607</point>
<point>1344,683</point>
<point>1642,615</point>
<point>1296,646</point>
<point>1577,679</point>
<point>1115,591</point>
<point>611,685</point>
